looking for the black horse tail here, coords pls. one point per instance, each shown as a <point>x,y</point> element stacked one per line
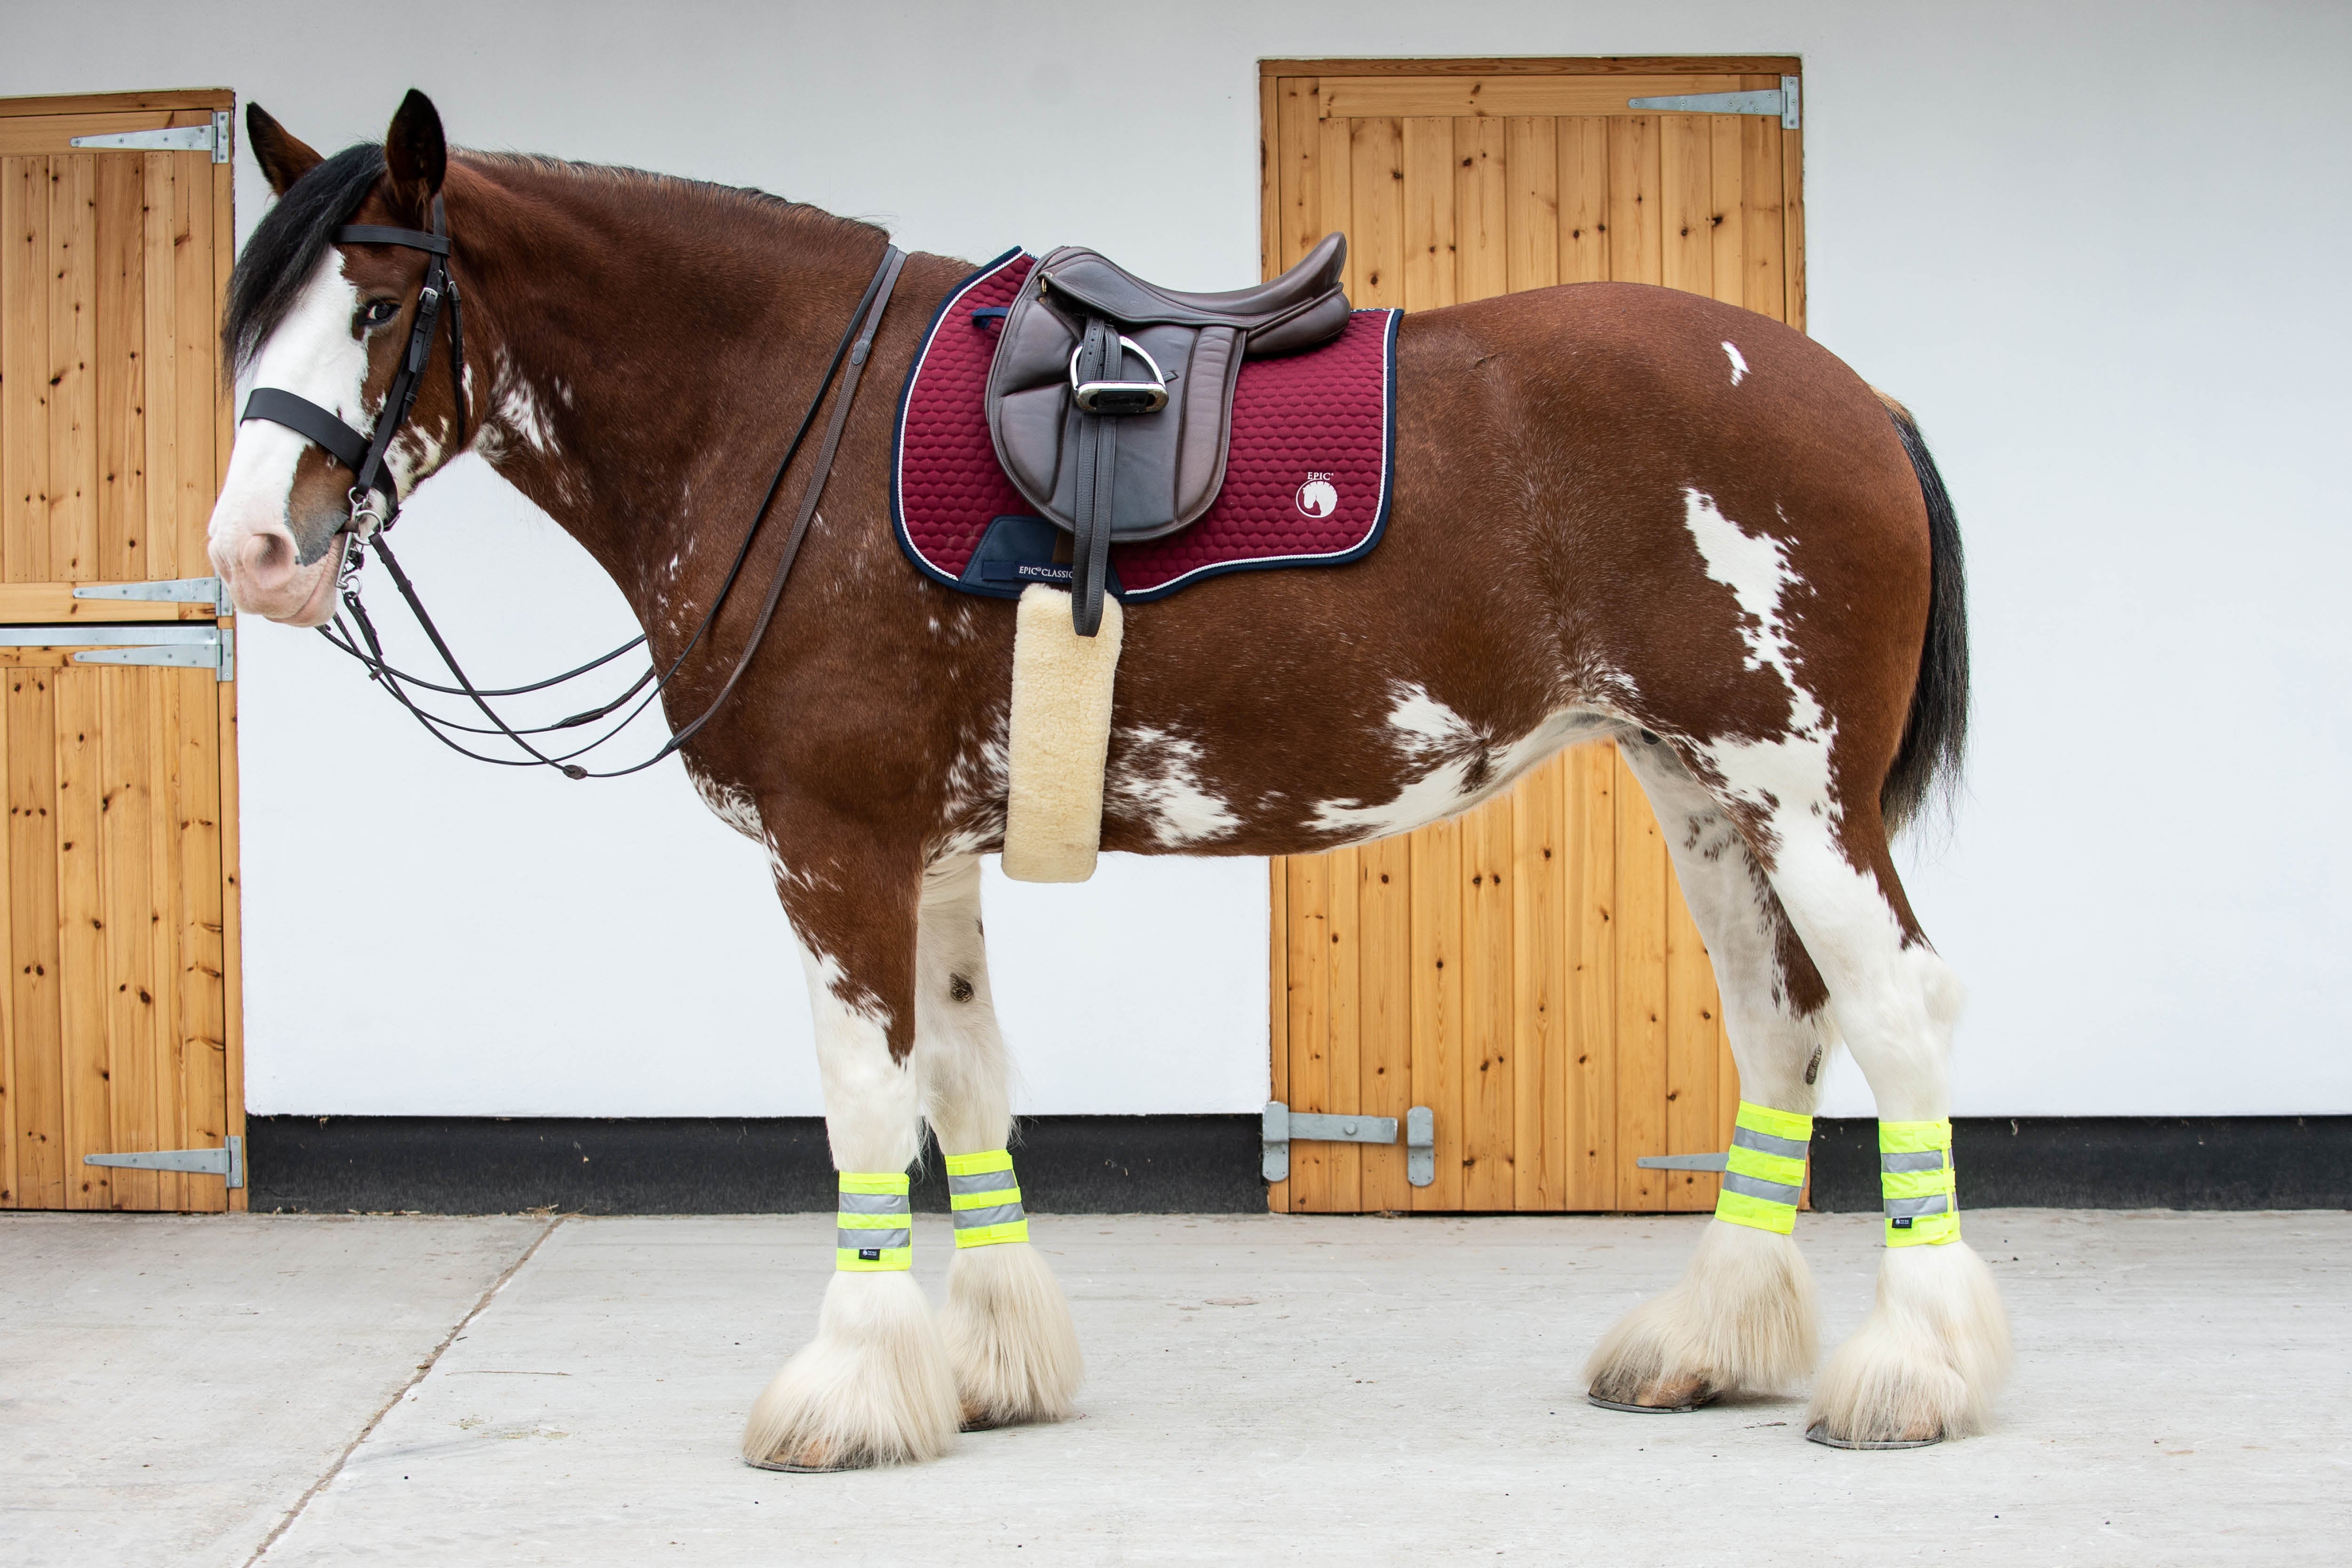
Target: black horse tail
<point>1935,737</point>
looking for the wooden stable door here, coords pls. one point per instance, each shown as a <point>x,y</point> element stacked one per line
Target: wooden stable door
<point>1528,971</point>
<point>119,1021</point>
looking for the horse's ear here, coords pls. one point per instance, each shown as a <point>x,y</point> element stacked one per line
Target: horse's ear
<point>283,157</point>
<point>415,157</point>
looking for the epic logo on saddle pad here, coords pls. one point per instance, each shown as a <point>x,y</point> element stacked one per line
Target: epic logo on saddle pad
<point>1308,474</point>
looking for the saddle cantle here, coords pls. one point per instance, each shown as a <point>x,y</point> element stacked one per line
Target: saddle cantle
<point>1110,400</point>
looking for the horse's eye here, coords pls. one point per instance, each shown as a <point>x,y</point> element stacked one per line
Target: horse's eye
<point>378,311</point>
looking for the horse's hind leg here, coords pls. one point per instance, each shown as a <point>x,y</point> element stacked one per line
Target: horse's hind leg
<point>1936,1345</point>
<point>874,1387</point>
<point>1009,1335</point>
<point>1741,1318</point>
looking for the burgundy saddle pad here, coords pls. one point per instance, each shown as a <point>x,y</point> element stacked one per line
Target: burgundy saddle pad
<point>1307,477</point>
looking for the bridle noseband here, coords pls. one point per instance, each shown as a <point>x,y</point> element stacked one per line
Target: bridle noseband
<point>375,504</point>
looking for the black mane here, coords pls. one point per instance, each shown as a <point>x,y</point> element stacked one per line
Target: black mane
<point>286,244</point>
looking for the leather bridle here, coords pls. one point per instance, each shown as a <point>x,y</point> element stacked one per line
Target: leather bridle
<point>375,505</point>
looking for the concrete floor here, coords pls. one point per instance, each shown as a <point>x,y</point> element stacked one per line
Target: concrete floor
<point>510,1391</point>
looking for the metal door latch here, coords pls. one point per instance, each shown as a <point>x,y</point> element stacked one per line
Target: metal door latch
<point>1282,1125</point>
<point>211,137</point>
<point>227,1161</point>
<point>1782,102</point>
<point>1685,1162</point>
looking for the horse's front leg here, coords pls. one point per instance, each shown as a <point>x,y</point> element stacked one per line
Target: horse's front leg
<point>1009,1335</point>
<point>874,1387</point>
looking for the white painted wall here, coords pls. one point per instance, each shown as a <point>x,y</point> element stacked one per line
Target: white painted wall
<point>2097,246</point>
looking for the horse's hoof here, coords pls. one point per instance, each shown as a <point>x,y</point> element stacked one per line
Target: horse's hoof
<point>974,1422</point>
<point>1819,1433</point>
<point>791,1469</point>
<point>1653,1396</point>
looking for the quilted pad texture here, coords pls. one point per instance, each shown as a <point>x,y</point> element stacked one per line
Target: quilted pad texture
<point>1307,478</point>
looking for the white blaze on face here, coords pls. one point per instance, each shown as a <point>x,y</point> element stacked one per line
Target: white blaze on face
<point>312,355</point>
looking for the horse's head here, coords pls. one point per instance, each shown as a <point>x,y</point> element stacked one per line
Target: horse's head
<point>332,323</point>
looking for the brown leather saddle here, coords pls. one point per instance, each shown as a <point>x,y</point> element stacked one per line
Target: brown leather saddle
<point>1111,399</point>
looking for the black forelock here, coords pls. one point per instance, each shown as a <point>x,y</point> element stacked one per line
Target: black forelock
<point>286,244</point>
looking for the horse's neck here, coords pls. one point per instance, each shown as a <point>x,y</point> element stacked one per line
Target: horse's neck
<point>649,345</point>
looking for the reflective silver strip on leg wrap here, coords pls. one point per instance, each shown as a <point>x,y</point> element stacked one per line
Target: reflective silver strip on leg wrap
<point>1755,1187</point>
<point>876,1202</point>
<point>1786,1148</point>
<point>860,1241</point>
<point>1925,1160</point>
<point>986,1182</point>
<point>1912,1208</point>
<point>1002,1214</point>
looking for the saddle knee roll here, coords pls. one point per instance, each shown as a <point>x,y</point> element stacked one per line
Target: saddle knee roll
<point>1062,686</point>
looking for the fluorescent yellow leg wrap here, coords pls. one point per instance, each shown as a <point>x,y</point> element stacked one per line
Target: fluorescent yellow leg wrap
<point>1917,1185</point>
<point>876,1227</point>
<point>986,1199</point>
<point>1765,1175</point>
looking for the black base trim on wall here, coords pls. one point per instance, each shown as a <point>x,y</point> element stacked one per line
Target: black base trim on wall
<point>1198,1164</point>
<point>2110,1162</point>
<point>687,1164</point>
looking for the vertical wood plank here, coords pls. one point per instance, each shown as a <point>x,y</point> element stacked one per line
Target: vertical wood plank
<point>1792,221</point>
<point>1437,1051</point>
<point>142,1093</point>
<point>1726,208</point>
<point>1310,1024</point>
<point>1376,212</point>
<point>1427,176</point>
<point>213,952</point>
<point>1344,1088</point>
<point>1277,992</point>
<point>1540,977</point>
<point>184,1124</point>
<point>1589,814</point>
<point>121,369</point>
<point>1760,216</point>
<point>12,1132</point>
<point>1482,257</point>
<point>25,375</point>
<point>1271,142</point>
<point>1693,1050</point>
<point>1686,189</point>
<point>1385,983</point>
<point>1583,165</point>
<point>195,408</point>
<point>73,353</point>
<point>1297,162</point>
<point>165,369</point>
<point>33,934</point>
<point>81,935</point>
<point>1489,989</point>
<point>1642,891</point>
<point>1633,253</point>
<point>1532,206</point>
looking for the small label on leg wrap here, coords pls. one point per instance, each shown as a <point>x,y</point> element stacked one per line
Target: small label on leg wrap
<point>986,1199</point>
<point>1917,1185</point>
<point>875,1231</point>
<point>1764,1175</point>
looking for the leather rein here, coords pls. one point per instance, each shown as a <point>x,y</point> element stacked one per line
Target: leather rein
<point>375,505</point>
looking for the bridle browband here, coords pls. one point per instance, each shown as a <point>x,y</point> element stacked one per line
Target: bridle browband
<point>375,505</point>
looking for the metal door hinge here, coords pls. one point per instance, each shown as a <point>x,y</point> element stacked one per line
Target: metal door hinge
<point>186,647</point>
<point>1283,1125</point>
<point>212,138</point>
<point>1782,102</point>
<point>1685,1162</point>
<point>167,591</point>
<point>227,1161</point>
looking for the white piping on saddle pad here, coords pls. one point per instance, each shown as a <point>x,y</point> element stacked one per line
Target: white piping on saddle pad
<point>1061,738</point>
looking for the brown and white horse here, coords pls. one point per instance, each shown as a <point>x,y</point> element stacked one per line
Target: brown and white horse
<point>1621,512</point>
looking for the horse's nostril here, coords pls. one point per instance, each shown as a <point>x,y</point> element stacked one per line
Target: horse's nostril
<point>266,557</point>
